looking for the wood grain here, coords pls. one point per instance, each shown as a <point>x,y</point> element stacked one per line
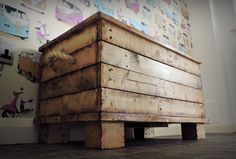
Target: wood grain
<point>122,79</point>
<point>74,42</point>
<point>121,37</point>
<point>84,57</point>
<point>85,101</point>
<point>116,101</point>
<point>104,135</point>
<point>74,82</point>
<point>123,58</point>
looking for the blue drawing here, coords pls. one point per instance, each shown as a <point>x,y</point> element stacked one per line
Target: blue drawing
<point>13,21</point>
<point>172,15</point>
<point>139,26</point>
<point>105,7</point>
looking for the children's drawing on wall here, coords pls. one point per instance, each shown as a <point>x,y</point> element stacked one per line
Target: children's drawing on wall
<point>120,16</point>
<point>86,3</point>
<point>68,12</point>
<point>184,10</point>
<point>13,21</point>
<point>17,107</point>
<point>28,64</point>
<point>35,5</point>
<point>152,3</point>
<point>42,34</point>
<point>6,52</point>
<point>147,14</point>
<point>139,26</point>
<point>105,6</point>
<point>133,5</point>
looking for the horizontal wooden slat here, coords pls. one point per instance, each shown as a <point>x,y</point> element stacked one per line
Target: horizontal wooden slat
<point>123,58</point>
<point>74,103</point>
<point>74,42</point>
<point>131,41</point>
<point>148,117</point>
<point>74,82</point>
<point>117,78</point>
<point>84,57</point>
<point>126,102</point>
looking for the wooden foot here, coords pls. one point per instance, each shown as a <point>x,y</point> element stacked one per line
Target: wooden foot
<point>53,133</point>
<point>104,135</point>
<point>139,133</point>
<point>192,131</point>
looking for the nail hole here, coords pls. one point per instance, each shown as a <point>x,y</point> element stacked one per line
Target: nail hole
<point>110,37</point>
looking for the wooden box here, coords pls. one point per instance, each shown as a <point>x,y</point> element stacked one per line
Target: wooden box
<point>119,78</point>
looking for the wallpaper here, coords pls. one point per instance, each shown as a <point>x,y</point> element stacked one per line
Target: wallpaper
<point>25,25</point>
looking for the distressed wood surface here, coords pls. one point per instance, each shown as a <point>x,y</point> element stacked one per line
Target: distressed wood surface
<point>104,135</point>
<point>122,58</point>
<point>84,57</point>
<point>149,118</point>
<point>116,101</point>
<point>74,82</point>
<point>121,37</point>
<point>53,133</point>
<point>85,101</point>
<point>74,42</point>
<point>192,131</point>
<point>122,79</point>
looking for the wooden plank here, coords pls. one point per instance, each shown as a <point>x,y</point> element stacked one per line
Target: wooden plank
<point>84,57</point>
<point>130,29</point>
<point>117,78</point>
<point>53,133</point>
<point>104,135</point>
<point>124,38</point>
<point>192,131</point>
<point>117,101</point>
<point>74,42</point>
<point>74,82</point>
<point>85,101</point>
<point>124,117</point>
<point>122,58</point>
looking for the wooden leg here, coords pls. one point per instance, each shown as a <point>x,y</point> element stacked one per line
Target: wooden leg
<point>53,133</point>
<point>139,133</point>
<point>104,135</point>
<point>192,131</point>
<point>149,133</point>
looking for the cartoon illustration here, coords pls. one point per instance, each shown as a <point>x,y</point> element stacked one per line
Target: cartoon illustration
<point>35,5</point>
<point>139,26</point>
<point>85,2</point>
<point>133,5</point>
<point>147,14</point>
<point>42,33</point>
<point>13,21</point>
<point>173,16</point>
<point>68,12</point>
<point>120,16</point>
<point>105,6</point>
<point>28,64</point>
<point>152,3</point>
<point>17,106</point>
<point>6,52</point>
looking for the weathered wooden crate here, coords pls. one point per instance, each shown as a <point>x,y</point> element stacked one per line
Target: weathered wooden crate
<point>121,77</point>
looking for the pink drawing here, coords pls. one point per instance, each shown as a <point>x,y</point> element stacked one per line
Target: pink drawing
<point>133,5</point>
<point>10,110</point>
<point>42,33</point>
<point>68,12</point>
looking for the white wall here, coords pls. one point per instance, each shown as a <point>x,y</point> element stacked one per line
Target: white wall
<point>214,43</point>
